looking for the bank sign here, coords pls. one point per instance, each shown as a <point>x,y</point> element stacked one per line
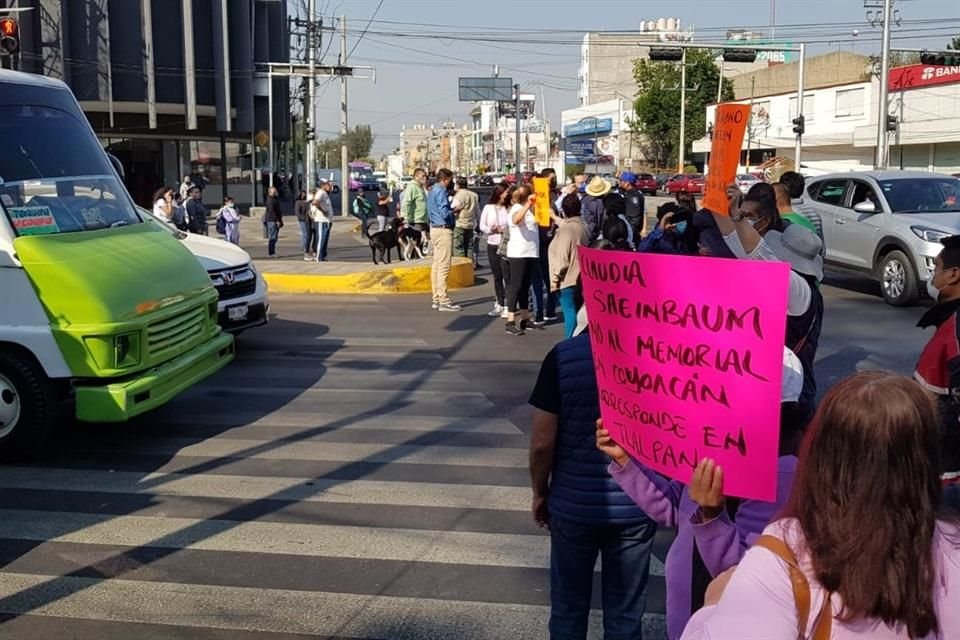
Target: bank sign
<point>915,76</point>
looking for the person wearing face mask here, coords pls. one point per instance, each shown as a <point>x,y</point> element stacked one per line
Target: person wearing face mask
<point>938,368</point>
<point>753,229</point>
<point>669,234</point>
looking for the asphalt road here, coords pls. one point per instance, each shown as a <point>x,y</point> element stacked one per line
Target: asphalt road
<point>358,472</point>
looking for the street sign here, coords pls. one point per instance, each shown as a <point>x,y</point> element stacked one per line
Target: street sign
<point>481,89</point>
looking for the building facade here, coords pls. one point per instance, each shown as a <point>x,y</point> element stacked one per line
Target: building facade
<point>841,121</point>
<point>171,87</point>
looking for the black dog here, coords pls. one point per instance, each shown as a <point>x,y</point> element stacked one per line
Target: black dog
<point>383,242</point>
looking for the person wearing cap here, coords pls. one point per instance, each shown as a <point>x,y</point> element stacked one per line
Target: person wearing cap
<point>754,230</point>
<point>634,206</point>
<point>321,211</point>
<point>713,531</point>
<point>593,210</point>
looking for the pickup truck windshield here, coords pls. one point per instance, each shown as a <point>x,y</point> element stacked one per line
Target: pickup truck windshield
<point>54,177</point>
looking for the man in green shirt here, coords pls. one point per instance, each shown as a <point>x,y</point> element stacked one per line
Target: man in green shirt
<point>415,203</point>
<point>786,208</point>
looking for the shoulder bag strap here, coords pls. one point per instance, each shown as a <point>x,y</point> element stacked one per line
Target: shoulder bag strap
<point>801,588</point>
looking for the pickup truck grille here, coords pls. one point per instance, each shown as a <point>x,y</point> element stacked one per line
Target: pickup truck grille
<point>234,283</point>
<point>170,333</point>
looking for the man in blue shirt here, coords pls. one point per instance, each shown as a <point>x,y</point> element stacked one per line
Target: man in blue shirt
<point>442,222</point>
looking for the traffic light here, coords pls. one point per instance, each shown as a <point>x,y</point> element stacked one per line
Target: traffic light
<point>892,122</point>
<point>9,36</point>
<point>941,58</point>
<point>740,55</point>
<point>666,54</point>
<point>799,125</point>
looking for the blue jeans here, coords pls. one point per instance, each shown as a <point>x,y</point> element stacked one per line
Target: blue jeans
<point>323,233</point>
<point>538,281</point>
<point>625,566</point>
<point>273,234</point>
<point>569,311</point>
<point>308,240</point>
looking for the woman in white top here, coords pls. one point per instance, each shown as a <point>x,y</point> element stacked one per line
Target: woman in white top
<point>164,206</point>
<point>523,250</point>
<point>493,221</point>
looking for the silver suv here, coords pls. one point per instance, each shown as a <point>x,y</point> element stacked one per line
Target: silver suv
<point>886,223</point>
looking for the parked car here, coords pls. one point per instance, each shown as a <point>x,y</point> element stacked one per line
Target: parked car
<point>662,179</point>
<point>472,180</point>
<point>405,180</point>
<point>485,180</point>
<point>242,292</point>
<point>510,179</point>
<point>646,183</point>
<point>496,178</point>
<point>886,223</point>
<point>746,180</point>
<point>685,183</point>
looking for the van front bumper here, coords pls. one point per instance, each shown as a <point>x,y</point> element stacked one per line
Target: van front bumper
<point>120,401</point>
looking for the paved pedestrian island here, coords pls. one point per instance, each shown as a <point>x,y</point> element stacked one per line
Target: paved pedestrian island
<point>360,471</point>
<point>349,269</point>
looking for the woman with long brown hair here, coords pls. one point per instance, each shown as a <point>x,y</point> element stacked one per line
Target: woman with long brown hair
<point>493,224</point>
<point>863,535</point>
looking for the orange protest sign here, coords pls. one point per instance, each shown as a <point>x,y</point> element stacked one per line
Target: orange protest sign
<point>728,130</point>
<point>541,189</point>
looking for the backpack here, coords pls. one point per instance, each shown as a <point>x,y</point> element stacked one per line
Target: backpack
<point>221,224</point>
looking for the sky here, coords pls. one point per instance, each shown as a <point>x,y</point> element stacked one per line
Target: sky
<point>414,46</point>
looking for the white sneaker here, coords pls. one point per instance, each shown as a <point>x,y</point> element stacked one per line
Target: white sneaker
<point>496,311</point>
<point>504,313</point>
<point>435,306</point>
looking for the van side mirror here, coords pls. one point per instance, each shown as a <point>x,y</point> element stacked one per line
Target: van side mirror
<point>866,206</point>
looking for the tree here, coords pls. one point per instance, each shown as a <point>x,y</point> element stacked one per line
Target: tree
<point>359,143</point>
<point>657,107</point>
<point>954,44</point>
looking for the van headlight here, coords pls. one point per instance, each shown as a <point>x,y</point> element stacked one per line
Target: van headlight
<point>126,348</point>
<point>929,235</point>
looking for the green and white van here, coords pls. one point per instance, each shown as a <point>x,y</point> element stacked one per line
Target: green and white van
<point>97,305</point>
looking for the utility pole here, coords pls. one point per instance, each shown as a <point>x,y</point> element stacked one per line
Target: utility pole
<point>344,160</point>
<point>516,146</point>
<point>753,82</point>
<point>313,43</point>
<point>884,16</point>
<point>683,111</point>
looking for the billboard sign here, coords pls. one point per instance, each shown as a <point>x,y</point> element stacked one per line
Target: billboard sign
<point>588,127</point>
<point>915,76</point>
<point>481,89</point>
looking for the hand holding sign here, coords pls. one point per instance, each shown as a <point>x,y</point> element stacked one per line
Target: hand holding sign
<point>728,129</point>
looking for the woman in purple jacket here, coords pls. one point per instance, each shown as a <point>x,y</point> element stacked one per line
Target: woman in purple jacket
<point>712,533</point>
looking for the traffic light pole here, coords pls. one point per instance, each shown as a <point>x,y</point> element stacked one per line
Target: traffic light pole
<point>882,153</point>
<point>799,143</point>
<point>310,163</point>
<point>681,154</point>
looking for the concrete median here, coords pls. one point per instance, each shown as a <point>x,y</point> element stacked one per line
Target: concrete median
<point>354,278</point>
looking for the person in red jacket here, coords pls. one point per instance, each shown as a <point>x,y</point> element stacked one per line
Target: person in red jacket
<point>938,368</point>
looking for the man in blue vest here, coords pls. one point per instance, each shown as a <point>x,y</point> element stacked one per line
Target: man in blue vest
<point>586,511</point>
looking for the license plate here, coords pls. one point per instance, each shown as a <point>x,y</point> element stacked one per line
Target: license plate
<point>238,312</point>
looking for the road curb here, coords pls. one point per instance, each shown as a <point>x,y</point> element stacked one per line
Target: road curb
<point>375,280</point>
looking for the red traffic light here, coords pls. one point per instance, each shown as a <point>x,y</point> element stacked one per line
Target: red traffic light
<point>8,27</point>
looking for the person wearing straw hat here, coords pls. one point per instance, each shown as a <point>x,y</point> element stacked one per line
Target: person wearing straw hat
<point>592,209</point>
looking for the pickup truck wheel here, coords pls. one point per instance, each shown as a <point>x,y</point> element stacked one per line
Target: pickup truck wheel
<point>27,406</point>
<point>898,280</point>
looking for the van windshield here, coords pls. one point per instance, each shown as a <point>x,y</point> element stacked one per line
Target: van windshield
<point>54,177</point>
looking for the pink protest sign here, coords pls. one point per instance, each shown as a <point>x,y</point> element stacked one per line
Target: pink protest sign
<point>689,355</point>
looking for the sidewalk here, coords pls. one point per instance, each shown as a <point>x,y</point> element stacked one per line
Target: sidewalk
<point>349,268</point>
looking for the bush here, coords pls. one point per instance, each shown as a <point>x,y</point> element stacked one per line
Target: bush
<point>690,169</point>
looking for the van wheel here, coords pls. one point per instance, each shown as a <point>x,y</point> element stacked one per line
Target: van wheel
<point>27,406</point>
<point>898,280</point>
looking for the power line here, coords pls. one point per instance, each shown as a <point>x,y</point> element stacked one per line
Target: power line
<point>364,32</point>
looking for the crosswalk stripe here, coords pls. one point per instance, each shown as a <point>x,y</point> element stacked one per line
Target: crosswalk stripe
<point>320,419</point>
<point>331,451</point>
<point>448,547</point>
<point>211,485</point>
<point>276,610</point>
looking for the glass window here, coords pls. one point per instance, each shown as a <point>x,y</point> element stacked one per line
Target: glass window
<point>831,192</point>
<point>849,103</point>
<point>922,195</point>
<point>863,192</point>
<point>807,107</point>
<point>44,190</point>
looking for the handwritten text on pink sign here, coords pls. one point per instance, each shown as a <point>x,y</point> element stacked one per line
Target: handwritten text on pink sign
<point>689,354</point>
